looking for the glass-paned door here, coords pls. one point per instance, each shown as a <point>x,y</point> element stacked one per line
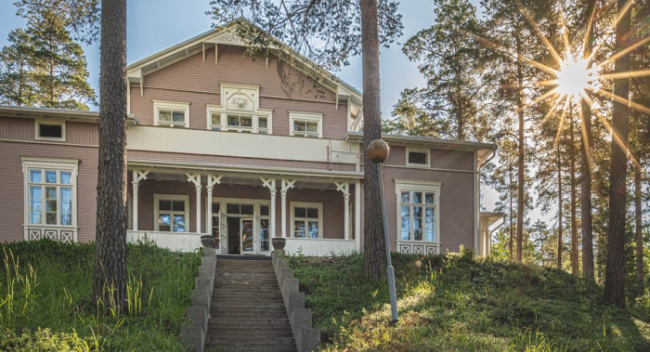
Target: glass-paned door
<point>247,242</point>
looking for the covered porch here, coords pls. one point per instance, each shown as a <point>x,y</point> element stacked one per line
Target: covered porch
<point>318,212</point>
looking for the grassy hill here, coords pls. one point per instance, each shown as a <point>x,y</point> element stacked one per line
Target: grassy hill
<point>462,303</point>
<point>46,291</point>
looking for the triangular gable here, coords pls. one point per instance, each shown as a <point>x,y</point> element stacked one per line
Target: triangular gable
<point>226,35</point>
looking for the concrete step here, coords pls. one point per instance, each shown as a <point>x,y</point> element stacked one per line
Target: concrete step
<point>235,332</point>
<point>248,310</point>
<point>247,325</point>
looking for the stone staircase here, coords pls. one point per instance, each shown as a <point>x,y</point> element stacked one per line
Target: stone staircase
<point>247,312</point>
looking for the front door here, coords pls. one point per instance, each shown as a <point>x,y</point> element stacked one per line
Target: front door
<point>247,236</point>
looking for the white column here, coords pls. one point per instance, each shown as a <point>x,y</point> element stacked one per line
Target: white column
<point>286,185</point>
<point>212,181</point>
<point>270,184</point>
<point>138,175</point>
<point>345,189</point>
<point>196,179</point>
<point>357,214</point>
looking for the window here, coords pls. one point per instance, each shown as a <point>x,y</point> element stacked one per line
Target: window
<point>171,213</point>
<point>50,130</point>
<point>306,124</point>
<point>417,157</point>
<point>239,122</point>
<point>306,220</point>
<point>418,212</point>
<point>171,114</point>
<point>265,233</point>
<point>51,194</point>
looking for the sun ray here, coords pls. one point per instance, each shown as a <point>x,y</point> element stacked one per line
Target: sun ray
<point>514,56</point>
<point>621,100</point>
<point>539,33</point>
<point>629,74</point>
<point>565,31</point>
<point>548,114</point>
<point>617,139</point>
<point>561,126</point>
<point>624,51</point>
<point>589,32</point>
<point>622,12</point>
<point>550,82</point>
<point>545,96</point>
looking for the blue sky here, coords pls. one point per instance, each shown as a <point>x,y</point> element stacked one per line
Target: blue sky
<point>153,25</point>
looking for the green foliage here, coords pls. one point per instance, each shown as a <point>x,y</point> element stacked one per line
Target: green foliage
<point>46,290</point>
<point>43,66</point>
<point>461,303</point>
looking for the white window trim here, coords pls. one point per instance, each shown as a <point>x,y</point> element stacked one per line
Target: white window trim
<point>306,116</point>
<point>43,121</point>
<point>171,105</point>
<point>418,186</point>
<point>257,214</point>
<point>223,113</point>
<point>59,164</point>
<point>156,206</point>
<point>427,164</point>
<point>319,206</point>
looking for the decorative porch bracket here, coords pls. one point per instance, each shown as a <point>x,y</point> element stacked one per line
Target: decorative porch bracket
<point>286,185</point>
<point>344,187</point>
<point>196,180</point>
<point>138,175</point>
<point>270,184</point>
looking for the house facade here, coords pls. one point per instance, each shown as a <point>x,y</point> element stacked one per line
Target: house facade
<point>241,147</point>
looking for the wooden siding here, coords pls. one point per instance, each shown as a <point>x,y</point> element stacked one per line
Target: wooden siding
<point>456,205</point>
<point>17,128</point>
<point>192,80</point>
<point>12,190</point>
<point>23,129</point>
<point>452,160</point>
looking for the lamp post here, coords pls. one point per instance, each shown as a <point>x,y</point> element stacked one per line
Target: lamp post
<point>377,153</point>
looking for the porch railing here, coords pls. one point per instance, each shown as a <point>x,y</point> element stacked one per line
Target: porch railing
<point>319,247</point>
<point>174,241</point>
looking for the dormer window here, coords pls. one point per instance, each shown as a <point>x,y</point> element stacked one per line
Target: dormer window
<point>50,130</point>
<point>306,124</point>
<point>240,123</point>
<point>239,111</point>
<point>171,114</point>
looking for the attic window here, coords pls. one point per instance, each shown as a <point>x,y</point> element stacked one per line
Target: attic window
<point>417,157</point>
<point>50,130</point>
<point>171,114</point>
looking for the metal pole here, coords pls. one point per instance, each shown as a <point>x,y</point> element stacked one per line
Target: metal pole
<point>390,271</point>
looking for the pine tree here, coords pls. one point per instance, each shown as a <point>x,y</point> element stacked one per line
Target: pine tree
<point>16,70</point>
<point>43,66</point>
<point>452,63</point>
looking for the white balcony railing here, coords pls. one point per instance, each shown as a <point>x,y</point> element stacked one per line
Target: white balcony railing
<point>319,247</point>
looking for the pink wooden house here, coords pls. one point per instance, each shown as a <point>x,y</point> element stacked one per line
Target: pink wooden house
<point>218,144</point>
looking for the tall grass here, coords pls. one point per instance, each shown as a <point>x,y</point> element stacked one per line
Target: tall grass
<point>46,289</point>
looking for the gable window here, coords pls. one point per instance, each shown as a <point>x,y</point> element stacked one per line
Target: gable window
<point>240,110</point>
<point>417,157</point>
<point>307,220</point>
<point>171,114</point>
<point>223,121</point>
<point>306,124</point>
<point>50,130</point>
<point>171,213</point>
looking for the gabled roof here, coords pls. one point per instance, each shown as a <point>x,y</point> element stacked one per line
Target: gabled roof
<point>226,35</point>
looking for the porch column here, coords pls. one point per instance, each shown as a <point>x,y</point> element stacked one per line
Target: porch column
<point>270,184</point>
<point>138,175</point>
<point>357,214</point>
<point>344,187</point>
<point>286,185</point>
<point>212,181</point>
<point>196,180</point>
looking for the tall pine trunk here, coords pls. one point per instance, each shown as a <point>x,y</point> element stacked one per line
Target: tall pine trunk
<point>374,263</point>
<point>638,219</point>
<point>575,267</point>
<point>615,271</point>
<point>512,218</point>
<point>520,162</point>
<point>559,210</point>
<point>585,169</point>
<point>109,279</point>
